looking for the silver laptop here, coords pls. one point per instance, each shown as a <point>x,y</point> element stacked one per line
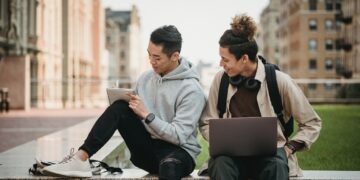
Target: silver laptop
<point>243,136</point>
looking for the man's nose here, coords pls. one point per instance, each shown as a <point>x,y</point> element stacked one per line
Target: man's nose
<point>221,63</point>
<point>152,61</point>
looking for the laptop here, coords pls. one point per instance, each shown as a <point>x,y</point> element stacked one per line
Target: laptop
<point>243,136</point>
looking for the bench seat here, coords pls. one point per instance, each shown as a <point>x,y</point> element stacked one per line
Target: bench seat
<point>15,162</point>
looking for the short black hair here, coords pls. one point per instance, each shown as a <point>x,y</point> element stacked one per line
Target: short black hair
<point>240,38</point>
<point>239,46</point>
<point>169,37</point>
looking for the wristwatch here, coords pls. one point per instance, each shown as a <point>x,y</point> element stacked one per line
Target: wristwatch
<point>290,146</point>
<point>149,118</point>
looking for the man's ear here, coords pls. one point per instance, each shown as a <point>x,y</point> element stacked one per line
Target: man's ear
<point>245,58</point>
<point>175,56</point>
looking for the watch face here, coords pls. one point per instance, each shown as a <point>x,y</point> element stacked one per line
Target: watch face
<point>150,118</point>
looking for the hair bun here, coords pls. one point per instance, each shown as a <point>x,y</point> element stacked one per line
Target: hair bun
<point>243,26</point>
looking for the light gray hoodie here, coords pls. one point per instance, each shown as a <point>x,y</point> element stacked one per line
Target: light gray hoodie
<point>177,101</point>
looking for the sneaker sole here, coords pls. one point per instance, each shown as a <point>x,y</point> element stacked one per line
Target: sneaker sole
<point>68,173</point>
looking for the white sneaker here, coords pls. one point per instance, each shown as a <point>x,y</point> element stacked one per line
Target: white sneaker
<point>70,166</point>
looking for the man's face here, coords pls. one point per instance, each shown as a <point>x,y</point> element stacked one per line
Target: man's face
<point>228,61</point>
<point>160,62</point>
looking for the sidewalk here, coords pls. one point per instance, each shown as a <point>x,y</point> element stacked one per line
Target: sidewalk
<point>18,127</point>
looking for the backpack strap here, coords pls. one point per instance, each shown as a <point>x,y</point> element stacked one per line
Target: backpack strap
<point>275,97</point>
<point>222,96</point>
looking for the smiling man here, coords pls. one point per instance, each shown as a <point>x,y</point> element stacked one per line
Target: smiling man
<point>158,124</point>
<point>248,96</point>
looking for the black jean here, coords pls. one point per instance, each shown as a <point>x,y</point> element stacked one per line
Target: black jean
<point>170,161</point>
<point>242,168</point>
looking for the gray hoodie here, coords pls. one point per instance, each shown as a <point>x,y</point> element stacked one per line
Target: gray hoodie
<point>177,101</point>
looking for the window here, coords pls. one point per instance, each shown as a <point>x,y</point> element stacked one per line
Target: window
<point>338,65</point>
<point>329,64</point>
<point>338,44</point>
<point>328,86</point>
<point>312,45</point>
<point>329,5</point>
<point>312,24</point>
<point>312,64</point>
<point>312,5</point>
<point>329,24</point>
<point>338,4</point>
<point>329,44</point>
<point>122,55</point>
<point>312,86</point>
<point>338,25</point>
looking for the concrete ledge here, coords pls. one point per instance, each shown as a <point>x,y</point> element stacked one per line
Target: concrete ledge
<point>138,174</point>
<point>15,162</point>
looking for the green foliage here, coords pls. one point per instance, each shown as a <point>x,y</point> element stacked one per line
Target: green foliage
<point>349,91</point>
<point>338,146</point>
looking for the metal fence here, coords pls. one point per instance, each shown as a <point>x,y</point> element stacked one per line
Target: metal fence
<point>92,93</point>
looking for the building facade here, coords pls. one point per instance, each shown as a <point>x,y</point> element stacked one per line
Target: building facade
<point>79,18</point>
<point>18,45</point>
<point>46,65</point>
<point>350,38</point>
<point>308,32</point>
<point>51,53</point>
<point>123,44</point>
<point>269,23</point>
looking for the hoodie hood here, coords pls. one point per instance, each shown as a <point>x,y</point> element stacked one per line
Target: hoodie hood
<point>185,70</point>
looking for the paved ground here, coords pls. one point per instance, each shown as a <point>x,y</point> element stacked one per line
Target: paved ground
<point>18,127</point>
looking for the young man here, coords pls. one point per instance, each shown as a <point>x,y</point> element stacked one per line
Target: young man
<point>248,96</point>
<point>159,124</point>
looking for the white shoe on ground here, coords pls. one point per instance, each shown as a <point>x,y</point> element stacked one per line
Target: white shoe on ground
<point>70,166</point>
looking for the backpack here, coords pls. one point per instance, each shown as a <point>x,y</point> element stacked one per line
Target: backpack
<point>275,98</point>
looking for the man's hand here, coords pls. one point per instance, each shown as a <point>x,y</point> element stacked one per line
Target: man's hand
<point>288,151</point>
<point>137,106</point>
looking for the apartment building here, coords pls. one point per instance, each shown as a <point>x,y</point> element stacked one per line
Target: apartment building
<point>308,33</point>
<point>349,38</point>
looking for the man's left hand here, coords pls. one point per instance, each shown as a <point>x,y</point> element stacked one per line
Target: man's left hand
<point>137,106</point>
<point>288,151</point>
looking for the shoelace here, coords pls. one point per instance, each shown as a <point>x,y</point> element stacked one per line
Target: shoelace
<point>68,157</point>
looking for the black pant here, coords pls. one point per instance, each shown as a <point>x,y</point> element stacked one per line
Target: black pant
<point>241,168</point>
<point>155,156</point>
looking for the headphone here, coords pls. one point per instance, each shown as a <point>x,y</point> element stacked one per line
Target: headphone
<point>248,83</point>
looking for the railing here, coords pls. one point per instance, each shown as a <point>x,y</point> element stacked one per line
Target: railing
<point>328,91</point>
<point>73,92</point>
<point>92,93</point>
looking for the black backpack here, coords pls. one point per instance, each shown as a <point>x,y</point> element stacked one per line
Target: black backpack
<point>275,97</point>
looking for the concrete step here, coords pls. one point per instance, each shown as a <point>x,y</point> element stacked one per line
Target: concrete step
<point>15,162</point>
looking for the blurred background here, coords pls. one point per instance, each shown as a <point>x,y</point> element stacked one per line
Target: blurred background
<point>58,54</point>
<point>57,57</point>
<point>64,53</point>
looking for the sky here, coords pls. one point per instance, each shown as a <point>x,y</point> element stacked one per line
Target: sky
<point>201,22</point>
